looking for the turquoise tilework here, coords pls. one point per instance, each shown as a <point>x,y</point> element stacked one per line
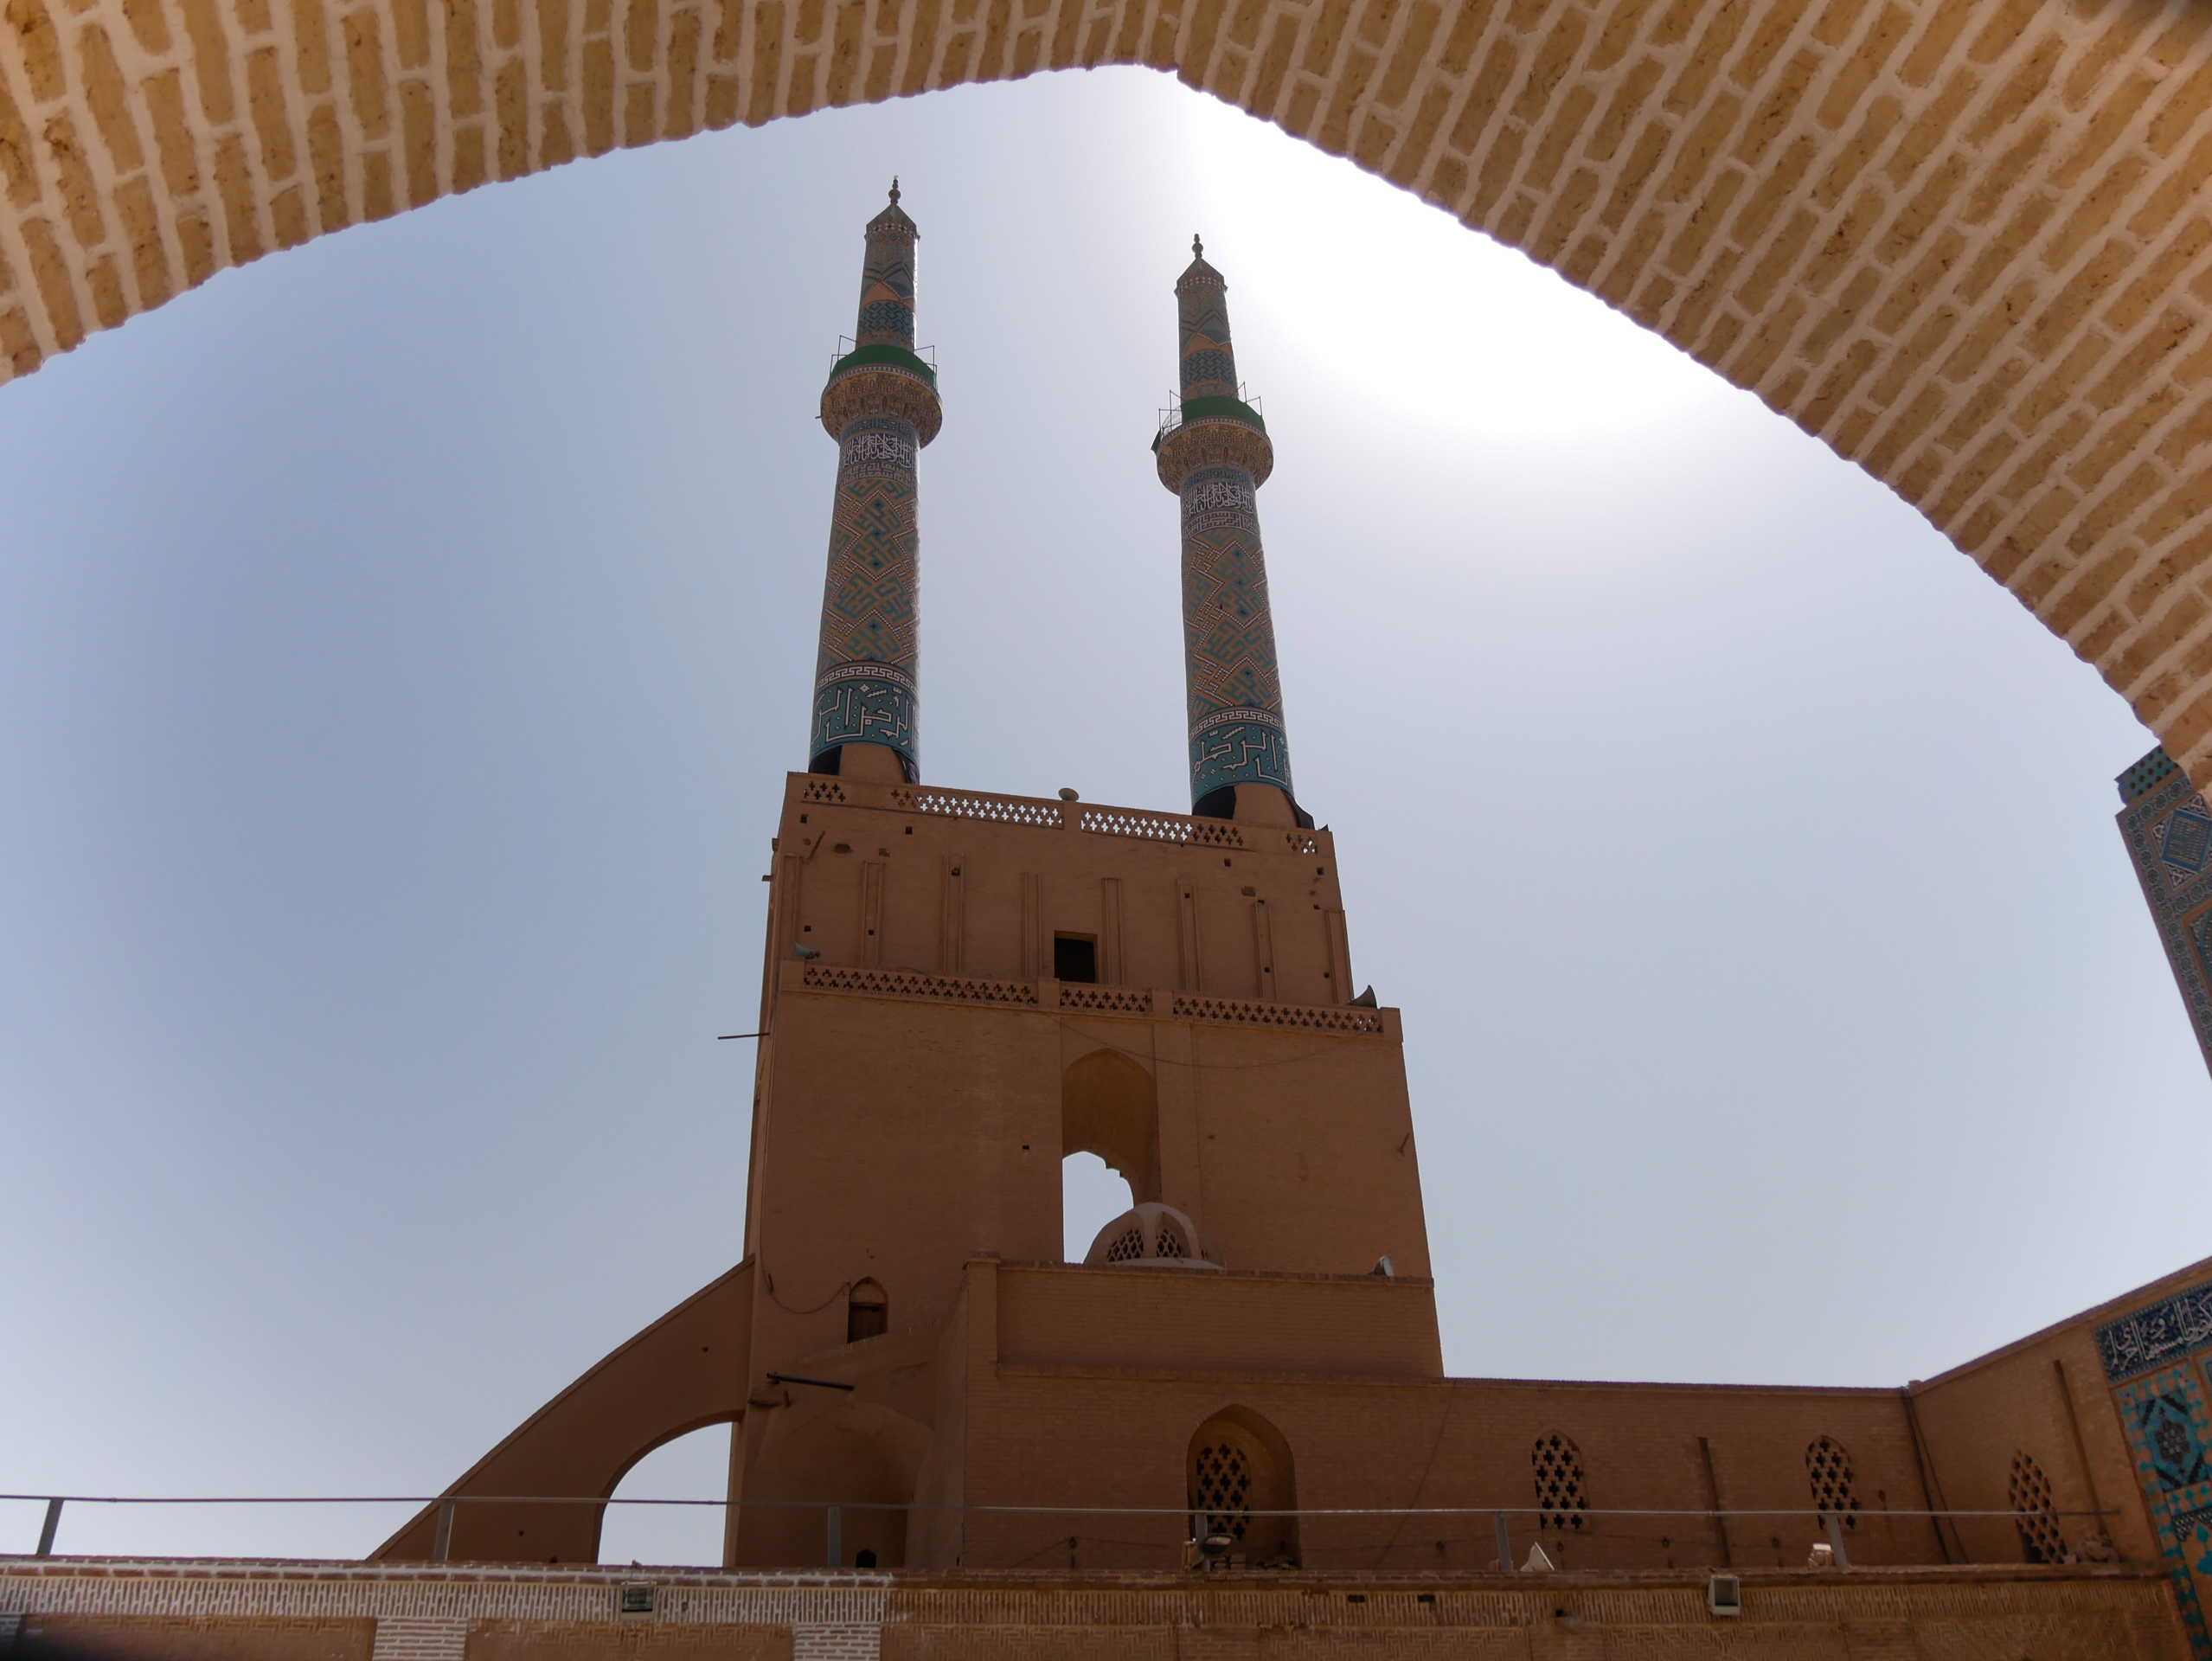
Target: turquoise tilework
<point>865,689</point>
<point>2167,1431</point>
<point>1235,692</point>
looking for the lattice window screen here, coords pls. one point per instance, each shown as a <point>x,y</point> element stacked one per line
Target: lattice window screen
<point>1828,1467</point>
<point>2030,1493</point>
<point>1560,1491</point>
<point>1220,1487</point>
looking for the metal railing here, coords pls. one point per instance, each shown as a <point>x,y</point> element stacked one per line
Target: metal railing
<point>1171,412</point>
<point>1833,1527</point>
<point>847,346</point>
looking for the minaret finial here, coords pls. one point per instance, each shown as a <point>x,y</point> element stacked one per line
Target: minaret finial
<point>1197,248</point>
<point>895,189</point>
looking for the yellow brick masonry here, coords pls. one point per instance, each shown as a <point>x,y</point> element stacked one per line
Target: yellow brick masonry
<point>1966,242</point>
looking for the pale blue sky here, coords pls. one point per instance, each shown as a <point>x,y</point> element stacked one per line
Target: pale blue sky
<point>405,638</point>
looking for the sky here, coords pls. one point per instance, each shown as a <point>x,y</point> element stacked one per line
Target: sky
<point>405,638</point>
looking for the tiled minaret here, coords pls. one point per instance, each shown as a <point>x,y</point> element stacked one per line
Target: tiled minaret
<point>1214,454</point>
<point>881,407</point>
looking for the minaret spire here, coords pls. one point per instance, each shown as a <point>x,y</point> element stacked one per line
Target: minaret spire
<point>880,406</point>
<point>1214,452</point>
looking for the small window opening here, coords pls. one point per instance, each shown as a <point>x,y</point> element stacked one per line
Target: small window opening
<point>868,1313</point>
<point>1075,957</point>
<point>863,1559</point>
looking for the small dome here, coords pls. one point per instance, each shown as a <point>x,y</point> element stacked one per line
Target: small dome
<point>1157,1236</point>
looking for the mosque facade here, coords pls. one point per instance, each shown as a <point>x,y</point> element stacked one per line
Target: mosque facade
<point>961,988</point>
<point>1239,1392</point>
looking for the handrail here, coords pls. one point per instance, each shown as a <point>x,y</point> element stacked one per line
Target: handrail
<point>1022,1511</point>
<point>1829,1525</point>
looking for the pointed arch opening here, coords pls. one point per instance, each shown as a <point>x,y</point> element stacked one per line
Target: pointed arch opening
<point>1242,1482</point>
<point>1108,1107</point>
<point>692,1466</point>
<point>867,1312</point>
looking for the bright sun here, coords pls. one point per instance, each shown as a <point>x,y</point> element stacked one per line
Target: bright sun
<point>1401,304</point>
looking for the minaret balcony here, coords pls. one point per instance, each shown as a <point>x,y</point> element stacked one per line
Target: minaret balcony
<point>1211,432</point>
<point>884,355</point>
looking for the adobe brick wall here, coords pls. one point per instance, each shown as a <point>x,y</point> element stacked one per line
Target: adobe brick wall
<point>1961,240</point>
<point>189,1637</point>
<point>253,1609</point>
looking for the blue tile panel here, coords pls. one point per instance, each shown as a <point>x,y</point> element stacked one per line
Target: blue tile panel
<point>2156,1336</point>
<point>2163,1416</point>
<point>2168,829</point>
<point>1235,692</point>
<point>864,677</point>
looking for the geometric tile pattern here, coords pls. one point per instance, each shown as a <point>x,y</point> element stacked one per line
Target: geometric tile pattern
<point>864,685</point>
<point>887,280</point>
<point>2167,826</point>
<point>1207,360</point>
<point>2163,1414</point>
<point>2165,1426</point>
<point>1234,691</point>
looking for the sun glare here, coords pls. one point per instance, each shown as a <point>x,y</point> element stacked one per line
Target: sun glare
<point>1395,298</point>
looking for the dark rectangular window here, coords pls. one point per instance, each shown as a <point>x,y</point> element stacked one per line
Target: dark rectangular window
<point>1075,957</point>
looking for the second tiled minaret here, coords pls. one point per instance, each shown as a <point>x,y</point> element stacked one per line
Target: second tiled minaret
<point>1213,453</point>
<point>880,406</point>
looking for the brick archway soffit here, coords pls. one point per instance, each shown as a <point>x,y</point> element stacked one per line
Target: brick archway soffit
<point>1965,242</point>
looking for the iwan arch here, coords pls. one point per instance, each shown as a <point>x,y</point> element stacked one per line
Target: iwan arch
<point>1964,242</point>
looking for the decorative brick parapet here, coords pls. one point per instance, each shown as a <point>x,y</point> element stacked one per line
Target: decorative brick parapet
<point>428,1594</point>
<point>1346,1019</point>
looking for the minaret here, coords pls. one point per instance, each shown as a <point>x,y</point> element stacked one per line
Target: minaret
<point>881,407</point>
<point>1214,454</point>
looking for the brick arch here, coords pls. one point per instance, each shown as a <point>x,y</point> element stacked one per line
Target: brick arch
<point>1960,241</point>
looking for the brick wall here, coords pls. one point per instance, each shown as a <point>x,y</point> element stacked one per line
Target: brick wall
<point>1959,240</point>
<point>257,1610</point>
